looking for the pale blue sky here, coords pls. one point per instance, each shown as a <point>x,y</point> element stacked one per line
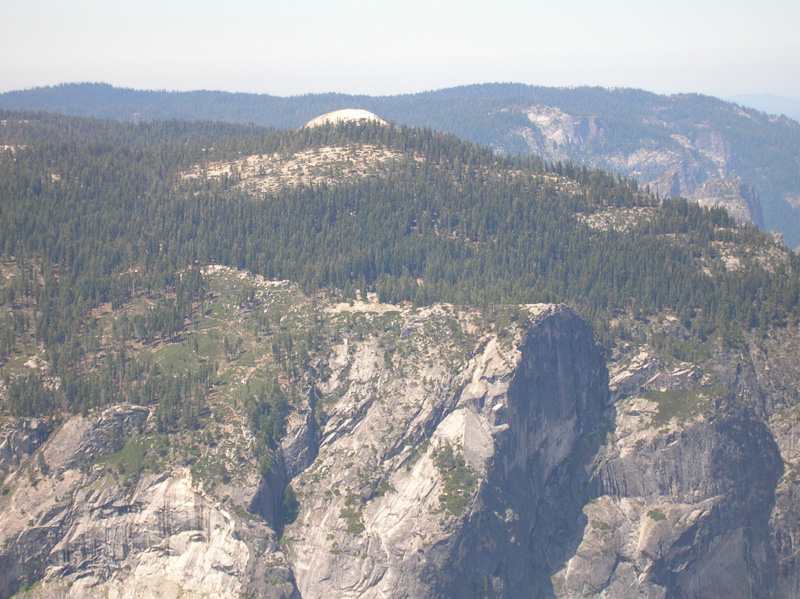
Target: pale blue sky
<point>714,47</point>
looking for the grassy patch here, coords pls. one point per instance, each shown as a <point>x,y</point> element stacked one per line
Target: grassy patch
<point>459,481</point>
<point>684,349</point>
<point>600,525</point>
<point>674,403</point>
<point>5,496</point>
<point>681,403</point>
<point>137,454</point>
<point>29,585</point>
<point>656,515</point>
<point>211,470</point>
<point>354,520</point>
<point>176,357</point>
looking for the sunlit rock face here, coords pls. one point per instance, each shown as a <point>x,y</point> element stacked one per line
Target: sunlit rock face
<point>442,453</point>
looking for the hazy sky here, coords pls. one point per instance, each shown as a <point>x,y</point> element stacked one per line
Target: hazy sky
<point>714,47</point>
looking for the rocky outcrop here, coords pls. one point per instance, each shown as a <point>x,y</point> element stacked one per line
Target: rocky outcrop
<point>18,441</point>
<point>693,491</point>
<point>737,197</point>
<point>429,480</point>
<point>423,448</point>
<point>670,162</point>
<point>344,115</point>
<point>437,452</point>
<point>684,514</point>
<point>84,530</point>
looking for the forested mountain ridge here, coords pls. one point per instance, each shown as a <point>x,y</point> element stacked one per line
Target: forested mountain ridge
<point>392,412</point>
<point>441,212</point>
<point>687,145</point>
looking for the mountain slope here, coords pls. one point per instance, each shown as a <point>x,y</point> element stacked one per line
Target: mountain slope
<point>689,145</point>
<point>416,415</point>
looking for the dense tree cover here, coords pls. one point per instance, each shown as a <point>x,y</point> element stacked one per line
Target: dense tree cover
<point>764,151</point>
<point>96,212</point>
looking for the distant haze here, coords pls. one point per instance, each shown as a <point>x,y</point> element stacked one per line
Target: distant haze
<point>770,104</point>
<point>360,47</point>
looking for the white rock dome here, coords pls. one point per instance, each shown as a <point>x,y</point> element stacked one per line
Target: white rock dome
<point>344,115</point>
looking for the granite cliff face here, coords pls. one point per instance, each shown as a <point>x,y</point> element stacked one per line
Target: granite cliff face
<point>84,530</point>
<point>438,452</point>
<point>693,489</point>
<point>429,481</point>
<point>431,441</point>
<point>698,168</point>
